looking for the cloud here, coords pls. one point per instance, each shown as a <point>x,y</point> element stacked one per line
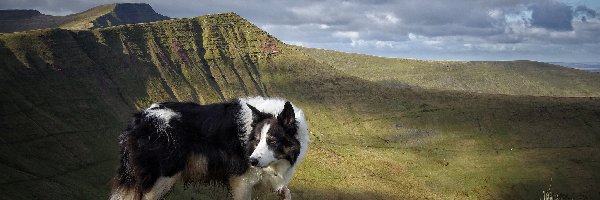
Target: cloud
<point>495,13</point>
<point>347,34</point>
<point>296,43</point>
<point>584,13</point>
<point>324,26</point>
<point>382,18</point>
<point>457,30</point>
<point>352,35</point>
<point>384,44</point>
<point>552,15</point>
<point>311,11</point>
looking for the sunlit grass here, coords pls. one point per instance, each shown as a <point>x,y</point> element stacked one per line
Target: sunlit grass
<point>508,77</point>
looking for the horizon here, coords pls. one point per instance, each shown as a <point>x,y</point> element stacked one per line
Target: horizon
<point>537,30</point>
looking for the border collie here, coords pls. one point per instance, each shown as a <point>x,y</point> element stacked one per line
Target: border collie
<point>240,144</point>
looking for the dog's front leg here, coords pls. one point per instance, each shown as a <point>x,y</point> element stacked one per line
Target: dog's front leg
<point>284,193</point>
<point>241,186</point>
<point>275,175</point>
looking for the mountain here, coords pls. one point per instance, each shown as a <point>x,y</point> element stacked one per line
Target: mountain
<point>67,94</point>
<point>100,16</point>
<point>20,20</point>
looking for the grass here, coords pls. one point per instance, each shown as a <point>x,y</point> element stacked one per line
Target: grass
<point>84,19</point>
<point>449,144</point>
<point>492,77</point>
<point>67,94</point>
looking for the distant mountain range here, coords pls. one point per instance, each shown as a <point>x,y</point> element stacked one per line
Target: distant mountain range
<point>587,66</point>
<point>100,16</point>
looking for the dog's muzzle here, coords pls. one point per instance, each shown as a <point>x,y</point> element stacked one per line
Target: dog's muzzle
<point>253,162</point>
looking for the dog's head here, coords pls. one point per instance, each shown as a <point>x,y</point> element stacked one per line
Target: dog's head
<point>274,137</point>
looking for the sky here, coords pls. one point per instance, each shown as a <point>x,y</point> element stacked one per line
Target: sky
<point>541,30</point>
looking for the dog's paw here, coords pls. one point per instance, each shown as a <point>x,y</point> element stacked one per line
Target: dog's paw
<point>284,193</point>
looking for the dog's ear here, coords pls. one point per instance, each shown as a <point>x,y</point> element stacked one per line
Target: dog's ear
<point>287,118</point>
<point>257,116</point>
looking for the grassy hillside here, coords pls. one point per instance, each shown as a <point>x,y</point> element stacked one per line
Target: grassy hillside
<point>494,77</point>
<point>100,16</point>
<point>67,94</point>
<point>379,142</point>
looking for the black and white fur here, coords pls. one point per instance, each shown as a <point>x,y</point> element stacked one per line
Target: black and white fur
<point>241,143</point>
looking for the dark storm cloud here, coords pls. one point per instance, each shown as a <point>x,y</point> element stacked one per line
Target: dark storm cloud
<point>398,27</point>
<point>584,13</point>
<point>552,15</point>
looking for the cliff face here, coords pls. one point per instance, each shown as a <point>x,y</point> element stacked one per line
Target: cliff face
<point>67,94</point>
<point>100,16</point>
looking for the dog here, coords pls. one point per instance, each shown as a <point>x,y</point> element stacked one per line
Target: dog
<point>241,143</point>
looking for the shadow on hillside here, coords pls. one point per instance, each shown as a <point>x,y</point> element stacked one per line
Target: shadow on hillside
<point>477,133</point>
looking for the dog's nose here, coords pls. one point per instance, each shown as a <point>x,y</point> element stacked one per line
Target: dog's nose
<point>253,161</point>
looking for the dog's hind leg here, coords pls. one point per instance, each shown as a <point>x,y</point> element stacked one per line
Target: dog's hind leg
<point>161,187</point>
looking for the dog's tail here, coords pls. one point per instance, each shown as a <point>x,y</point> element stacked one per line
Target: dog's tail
<point>125,194</point>
<point>123,184</point>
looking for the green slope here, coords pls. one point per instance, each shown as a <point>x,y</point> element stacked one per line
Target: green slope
<point>380,142</point>
<point>494,77</point>
<point>67,94</point>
